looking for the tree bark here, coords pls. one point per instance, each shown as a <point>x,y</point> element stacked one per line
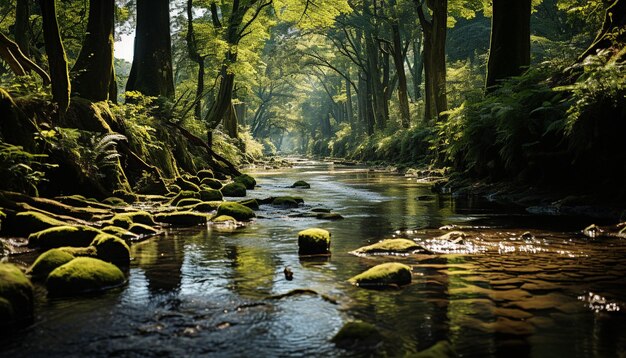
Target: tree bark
<point>509,52</point>
<point>22,26</point>
<point>349,105</point>
<point>94,69</point>
<point>57,60</point>
<point>151,72</point>
<point>194,55</point>
<point>17,61</point>
<point>398,60</point>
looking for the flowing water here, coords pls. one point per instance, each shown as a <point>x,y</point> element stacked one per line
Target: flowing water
<point>203,292</point>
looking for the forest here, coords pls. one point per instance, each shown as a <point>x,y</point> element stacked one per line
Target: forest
<point>229,110</point>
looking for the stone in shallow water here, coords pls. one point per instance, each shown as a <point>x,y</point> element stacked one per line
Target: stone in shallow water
<point>357,334</point>
<point>313,241</point>
<point>63,236</point>
<point>16,297</point>
<point>246,180</point>
<point>48,261</point>
<point>383,275</point>
<point>441,349</point>
<point>182,218</point>
<point>234,190</point>
<point>236,210</point>
<point>83,274</point>
<point>389,246</point>
<point>301,184</point>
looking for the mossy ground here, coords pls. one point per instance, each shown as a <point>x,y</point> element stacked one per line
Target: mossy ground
<point>383,275</point>
<point>313,241</point>
<point>83,274</point>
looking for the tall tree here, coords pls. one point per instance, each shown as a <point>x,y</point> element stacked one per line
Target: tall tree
<point>151,72</point>
<point>398,60</point>
<point>93,71</point>
<point>509,51</point>
<point>57,59</point>
<point>195,56</point>
<point>22,24</point>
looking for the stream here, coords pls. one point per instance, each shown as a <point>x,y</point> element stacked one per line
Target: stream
<point>207,292</point>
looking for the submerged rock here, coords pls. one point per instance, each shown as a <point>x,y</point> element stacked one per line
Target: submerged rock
<point>182,218</point>
<point>16,298</point>
<point>285,202</point>
<point>301,184</point>
<point>236,210</point>
<point>245,179</point>
<point>313,241</point>
<point>234,190</point>
<point>383,275</point>
<point>112,249</point>
<point>63,236</point>
<point>357,334</point>
<point>48,261</point>
<point>389,246</point>
<point>83,274</point>
<point>442,349</point>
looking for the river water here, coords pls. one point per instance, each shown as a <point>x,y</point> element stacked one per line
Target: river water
<point>207,292</point>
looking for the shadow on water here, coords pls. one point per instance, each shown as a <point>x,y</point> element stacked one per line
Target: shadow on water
<point>201,292</point>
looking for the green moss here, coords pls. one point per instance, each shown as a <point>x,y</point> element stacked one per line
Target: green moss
<point>205,173</point>
<point>251,203</point>
<point>125,195</point>
<point>442,349</point>
<point>386,274</point>
<point>120,221</point>
<point>236,210</point>
<point>83,274</point>
<point>187,202</point>
<point>173,188</point>
<point>140,217</point>
<point>185,194</point>
<point>28,222</point>
<point>285,202</point>
<point>389,246</point>
<point>115,201</point>
<point>313,241</point>
<point>63,236</point>
<point>357,334</point>
<point>191,178</point>
<point>246,180</point>
<point>182,218</point>
<point>210,195</point>
<point>223,219</point>
<point>120,232</point>
<point>88,251</point>
<point>301,184</point>
<point>234,190</point>
<point>211,183</point>
<point>186,185</point>
<point>141,229</point>
<point>17,291</point>
<point>112,249</point>
<point>207,206</point>
<point>48,261</point>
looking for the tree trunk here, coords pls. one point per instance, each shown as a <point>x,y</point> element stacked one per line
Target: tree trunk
<point>615,18</point>
<point>418,66</point>
<point>17,61</point>
<point>57,61</point>
<point>230,121</point>
<point>151,72</point>
<point>509,52</point>
<point>93,70</point>
<point>194,55</point>
<point>349,105</point>
<point>398,60</point>
<point>22,25</point>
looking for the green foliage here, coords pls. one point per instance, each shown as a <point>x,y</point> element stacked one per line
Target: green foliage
<point>20,170</point>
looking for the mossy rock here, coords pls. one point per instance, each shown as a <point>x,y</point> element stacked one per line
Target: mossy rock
<point>211,183</point>
<point>186,185</point>
<point>84,274</point>
<point>88,251</point>
<point>389,246</point>
<point>211,195</point>
<point>234,190</point>
<point>328,216</point>
<point>441,349</point>
<point>63,236</point>
<point>144,230</point>
<point>313,241</point>
<point>251,203</point>
<point>182,218</point>
<point>185,194</point>
<point>206,206</point>
<point>125,195</point>
<point>120,232</point>
<point>246,180</point>
<point>16,295</point>
<point>141,217</point>
<point>205,173</point>
<point>28,222</point>
<point>191,178</point>
<point>285,202</point>
<point>187,202</point>
<point>112,249</point>
<point>223,219</point>
<point>236,210</point>
<point>115,201</point>
<point>301,184</point>
<point>383,275</point>
<point>123,222</point>
<point>357,334</point>
<point>47,262</point>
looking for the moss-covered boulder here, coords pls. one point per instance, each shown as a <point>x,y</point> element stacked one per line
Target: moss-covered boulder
<point>185,194</point>
<point>301,184</point>
<point>47,262</point>
<point>222,219</point>
<point>182,218</point>
<point>16,298</point>
<point>114,201</point>
<point>285,202</point>
<point>112,249</point>
<point>123,222</point>
<point>186,185</point>
<point>187,202</point>
<point>84,274</point>
<point>251,203</point>
<point>357,334</point>
<point>120,232</point>
<point>313,241</point>
<point>63,236</point>
<point>211,195</point>
<point>28,222</point>
<point>192,178</point>
<point>143,230</point>
<point>389,246</point>
<point>442,349</point>
<point>125,195</point>
<point>206,206</point>
<point>211,183</point>
<point>205,173</point>
<point>234,190</point>
<point>236,210</point>
<point>141,217</point>
<point>88,251</point>
<point>383,275</point>
<point>246,180</point>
